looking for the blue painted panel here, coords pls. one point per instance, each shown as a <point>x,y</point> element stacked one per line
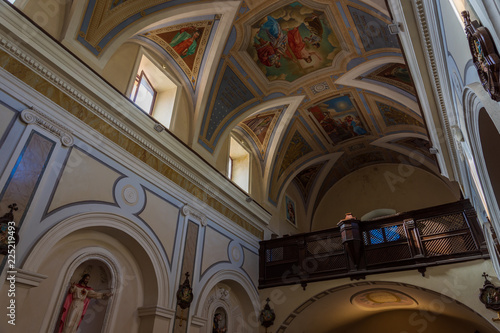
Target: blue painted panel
<point>232,93</point>
<point>373,31</point>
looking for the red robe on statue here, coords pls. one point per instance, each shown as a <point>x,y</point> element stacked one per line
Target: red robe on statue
<point>84,294</point>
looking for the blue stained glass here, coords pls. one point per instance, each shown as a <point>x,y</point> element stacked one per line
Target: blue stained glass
<point>383,235</point>
<point>376,236</point>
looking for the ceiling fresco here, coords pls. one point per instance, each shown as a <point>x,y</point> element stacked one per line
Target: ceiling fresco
<point>293,41</point>
<point>185,43</point>
<point>298,81</point>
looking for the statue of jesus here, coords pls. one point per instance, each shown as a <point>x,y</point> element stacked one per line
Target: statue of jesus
<point>76,303</point>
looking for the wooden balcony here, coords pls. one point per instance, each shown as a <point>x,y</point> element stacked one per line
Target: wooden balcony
<point>413,240</point>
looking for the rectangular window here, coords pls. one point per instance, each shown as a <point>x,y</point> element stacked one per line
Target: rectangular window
<point>143,93</point>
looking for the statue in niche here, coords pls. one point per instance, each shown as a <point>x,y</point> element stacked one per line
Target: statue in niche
<point>219,321</point>
<point>76,304</point>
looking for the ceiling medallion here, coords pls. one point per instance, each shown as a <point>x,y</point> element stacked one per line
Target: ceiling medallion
<point>484,54</point>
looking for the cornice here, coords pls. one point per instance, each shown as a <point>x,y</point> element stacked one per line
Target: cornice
<point>163,146</point>
<point>426,17</point>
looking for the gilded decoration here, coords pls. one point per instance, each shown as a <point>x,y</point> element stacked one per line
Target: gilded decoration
<point>185,43</point>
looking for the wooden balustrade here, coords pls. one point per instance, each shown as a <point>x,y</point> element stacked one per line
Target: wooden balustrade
<point>413,240</point>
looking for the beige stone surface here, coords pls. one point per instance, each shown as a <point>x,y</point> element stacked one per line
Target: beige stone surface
<point>84,179</point>
<point>162,217</point>
<point>214,249</point>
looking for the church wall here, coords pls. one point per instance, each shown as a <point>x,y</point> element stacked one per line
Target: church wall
<point>118,70</point>
<point>91,199</point>
<point>389,186</point>
<point>49,15</point>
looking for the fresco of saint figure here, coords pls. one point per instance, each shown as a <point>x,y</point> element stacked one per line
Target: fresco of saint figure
<point>184,42</point>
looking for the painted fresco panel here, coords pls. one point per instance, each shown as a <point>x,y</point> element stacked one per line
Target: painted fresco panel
<point>290,210</point>
<point>339,118</point>
<point>297,148</point>
<point>259,126</point>
<point>305,179</point>
<point>185,43</point>
<point>293,41</point>
<point>373,31</point>
<point>393,116</point>
<point>394,74</point>
<point>231,94</point>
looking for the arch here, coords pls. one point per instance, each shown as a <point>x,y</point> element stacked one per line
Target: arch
<point>292,105</point>
<point>349,79</point>
<point>479,110</point>
<point>111,239</point>
<point>85,256</point>
<point>240,285</point>
<point>363,303</point>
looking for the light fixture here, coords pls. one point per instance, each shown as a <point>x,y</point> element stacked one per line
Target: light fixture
<point>159,128</point>
<point>267,315</point>
<point>184,297</point>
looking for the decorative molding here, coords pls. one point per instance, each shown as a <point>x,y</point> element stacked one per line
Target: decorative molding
<point>320,87</point>
<point>29,279</point>
<point>157,151</point>
<point>190,211</point>
<point>155,310</point>
<point>198,321</point>
<point>36,117</point>
<point>435,113</point>
<point>435,60</point>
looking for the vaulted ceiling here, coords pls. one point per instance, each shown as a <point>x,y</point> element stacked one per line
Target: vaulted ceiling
<point>315,89</point>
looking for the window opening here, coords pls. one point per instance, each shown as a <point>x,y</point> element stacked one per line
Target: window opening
<point>143,93</point>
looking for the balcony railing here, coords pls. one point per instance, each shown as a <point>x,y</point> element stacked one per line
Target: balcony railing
<point>414,240</point>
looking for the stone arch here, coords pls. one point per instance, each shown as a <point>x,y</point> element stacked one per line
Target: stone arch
<point>139,273</point>
<point>360,305</point>
<point>95,319</point>
<point>236,294</point>
<point>482,113</point>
